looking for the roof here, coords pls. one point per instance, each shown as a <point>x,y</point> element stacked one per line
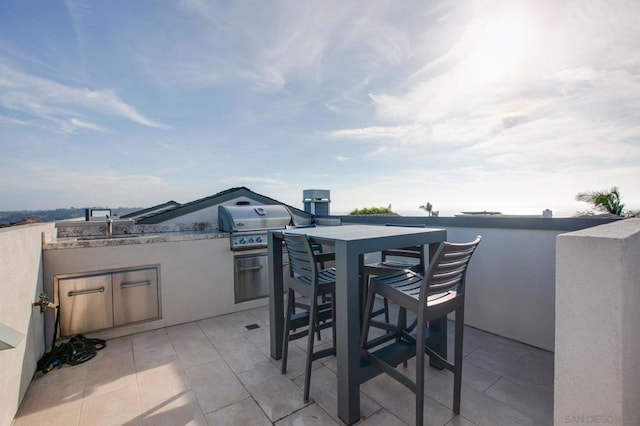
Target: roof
<point>150,211</point>
<point>212,200</point>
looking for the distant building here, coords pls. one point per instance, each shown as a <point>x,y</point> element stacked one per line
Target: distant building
<point>482,213</point>
<point>546,213</point>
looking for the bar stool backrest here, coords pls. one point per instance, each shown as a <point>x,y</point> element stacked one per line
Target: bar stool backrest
<point>302,265</point>
<point>448,270</point>
<point>406,253</point>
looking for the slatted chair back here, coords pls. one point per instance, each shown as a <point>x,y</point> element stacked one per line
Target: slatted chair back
<point>447,271</point>
<point>316,248</point>
<point>302,264</point>
<point>413,252</point>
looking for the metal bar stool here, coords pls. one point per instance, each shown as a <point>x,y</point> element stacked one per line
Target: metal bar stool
<point>310,282</point>
<point>440,291</point>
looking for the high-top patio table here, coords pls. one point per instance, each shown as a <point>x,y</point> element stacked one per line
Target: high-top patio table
<point>350,243</point>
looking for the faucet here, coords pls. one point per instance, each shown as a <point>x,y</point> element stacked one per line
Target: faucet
<point>44,303</point>
<point>109,225</point>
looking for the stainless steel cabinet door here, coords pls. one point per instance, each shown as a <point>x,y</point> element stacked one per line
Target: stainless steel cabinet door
<point>85,304</point>
<point>135,296</point>
<point>250,277</point>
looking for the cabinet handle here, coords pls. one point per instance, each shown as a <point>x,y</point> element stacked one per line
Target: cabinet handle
<point>135,284</point>
<point>88,291</point>
<point>252,268</point>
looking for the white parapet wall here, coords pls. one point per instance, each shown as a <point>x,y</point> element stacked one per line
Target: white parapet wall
<point>597,357</point>
<point>20,286</point>
<point>511,280</point>
<point>511,283</point>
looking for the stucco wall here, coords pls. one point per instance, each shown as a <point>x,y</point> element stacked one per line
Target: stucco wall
<point>597,366</point>
<point>207,214</point>
<point>20,285</point>
<point>511,283</point>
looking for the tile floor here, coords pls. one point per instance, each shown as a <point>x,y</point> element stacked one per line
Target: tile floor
<point>218,372</point>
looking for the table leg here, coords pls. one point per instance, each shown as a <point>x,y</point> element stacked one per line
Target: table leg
<point>348,333</point>
<point>276,295</point>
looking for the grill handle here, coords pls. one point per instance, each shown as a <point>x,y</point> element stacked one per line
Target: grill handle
<point>251,268</point>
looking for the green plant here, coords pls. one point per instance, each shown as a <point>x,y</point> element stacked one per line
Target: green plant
<point>429,209</point>
<point>372,210</point>
<point>604,201</point>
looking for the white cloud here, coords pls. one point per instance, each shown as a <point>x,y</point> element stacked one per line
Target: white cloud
<point>476,104</point>
<point>85,124</point>
<point>81,18</point>
<point>87,185</point>
<point>376,132</point>
<point>271,46</point>
<point>52,101</point>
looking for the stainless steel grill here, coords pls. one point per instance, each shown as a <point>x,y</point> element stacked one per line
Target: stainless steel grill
<point>248,225</point>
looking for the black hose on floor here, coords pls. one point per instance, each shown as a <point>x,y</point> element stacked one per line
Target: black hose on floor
<point>77,350</point>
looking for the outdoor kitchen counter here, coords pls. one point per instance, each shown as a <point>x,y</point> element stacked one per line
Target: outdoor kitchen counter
<point>128,239</point>
<point>194,269</point>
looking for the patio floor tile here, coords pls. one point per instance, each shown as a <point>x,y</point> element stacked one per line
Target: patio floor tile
<point>218,371</point>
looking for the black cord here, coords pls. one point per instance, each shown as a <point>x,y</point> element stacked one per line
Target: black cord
<point>77,350</point>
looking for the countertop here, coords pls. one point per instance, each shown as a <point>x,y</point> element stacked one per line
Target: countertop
<point>128,239</point>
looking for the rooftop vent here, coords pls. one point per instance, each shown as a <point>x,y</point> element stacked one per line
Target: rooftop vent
<point>316,201</point>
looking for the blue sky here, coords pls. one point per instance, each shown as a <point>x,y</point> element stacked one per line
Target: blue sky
<point>514,106</point>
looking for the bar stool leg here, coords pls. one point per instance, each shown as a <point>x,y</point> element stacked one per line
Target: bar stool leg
<point>287,329</point>
<point>313,314</point>
<point>419,383</point>
<point>457,360</point>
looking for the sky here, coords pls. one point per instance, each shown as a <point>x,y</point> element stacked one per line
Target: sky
<point>512,106</point>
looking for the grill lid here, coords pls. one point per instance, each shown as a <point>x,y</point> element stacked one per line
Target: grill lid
<point>252,218</point>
